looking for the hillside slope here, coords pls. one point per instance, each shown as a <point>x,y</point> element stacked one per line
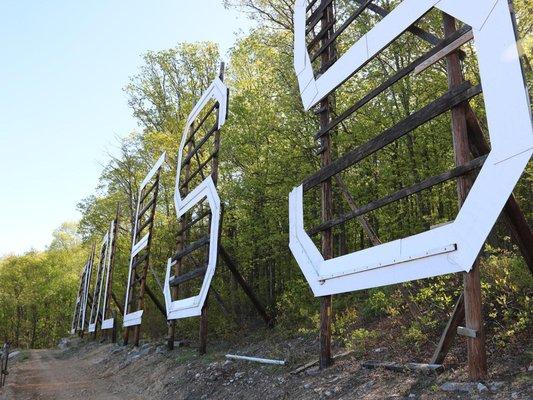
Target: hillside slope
<point>89,370</point>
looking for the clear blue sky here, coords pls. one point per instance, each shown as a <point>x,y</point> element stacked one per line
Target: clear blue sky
<point>63,65</point>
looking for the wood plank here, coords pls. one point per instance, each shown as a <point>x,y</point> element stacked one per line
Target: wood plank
<point>148,191</point>
<point>139,260</point>
<point>450,99</point>
<point>146,208</point>
<point>193,222</point>
<point>320,35</point>
<point>199,169</point>
<point>408,367</point>
<point>200,124</point>
<point>468,36</point>
<point>144,225</point>
<point>310,5</point>
<point>315,362</point>
<point>195,273</point>
<point>389,82</point>
<point>402,193</point>
<point>199,145</point>
<point>232,266</point>
<point>464,331</point>
<point>327,42</point>
<point>317,15</point>
<point>446,339</point>
<point>192,247</point>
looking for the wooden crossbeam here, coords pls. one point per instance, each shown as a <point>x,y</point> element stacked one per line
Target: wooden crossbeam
<point>446,339</point>
<point>402,193</point>
<point>414,29</point>
<point>327,42</point>
<point>468,36</point>
<point>201,123</point>
<point>195,273</point>
<point>193,222</point>
<point>232,266</point>
<point>389,82</point>
<point>320,35</point>
<point>202,141</point>
<point>453,97</point>
<point>407,367</point>
<point>201,166</point>
<point>317,15</point>
<point>191,248</point>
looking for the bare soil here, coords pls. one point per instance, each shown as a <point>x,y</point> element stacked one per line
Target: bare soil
<point>91,370</point>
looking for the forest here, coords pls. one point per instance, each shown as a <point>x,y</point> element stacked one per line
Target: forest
<point>267,148</point>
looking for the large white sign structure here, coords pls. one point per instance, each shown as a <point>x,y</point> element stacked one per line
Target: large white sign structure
<point>135,317</point>
<point>78,322</point>
<point>106,275</point>
<point>449,248</point>
<point>192,306</point>
<point>102,283</point>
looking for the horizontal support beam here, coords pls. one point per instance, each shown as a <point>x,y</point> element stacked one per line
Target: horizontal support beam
<point>467,37</point>
<point>199,145</point>
<point>320,35</point>
<point>192,247</point>
<point>214,153</point>
<point>199,125</point>
<point>149,190</point>
<point>400,194</point>
<point>194,221</point>
<point>195,273</point>
<point>341,29</point>
<point>390,81</point>
<point>310,5</point>
<point>450,99</point>
<point>144,225</point>
<point>316,16</point>
<point>146,208</point>
<point>139,261</point>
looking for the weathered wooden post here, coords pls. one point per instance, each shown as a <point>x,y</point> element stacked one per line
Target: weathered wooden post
<point>326,190</point>
<point>477,358</point>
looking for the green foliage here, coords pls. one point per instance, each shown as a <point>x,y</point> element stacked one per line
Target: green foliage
<point>38,290</point>
<point>360,340</point>
<point>378,304</point>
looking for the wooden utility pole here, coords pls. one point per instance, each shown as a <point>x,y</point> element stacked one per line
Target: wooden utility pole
<point>477,358</point>
<point>325,112</point>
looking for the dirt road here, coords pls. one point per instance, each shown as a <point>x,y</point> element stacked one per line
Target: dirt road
<point>47,375</point>
<point>88,370</point>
